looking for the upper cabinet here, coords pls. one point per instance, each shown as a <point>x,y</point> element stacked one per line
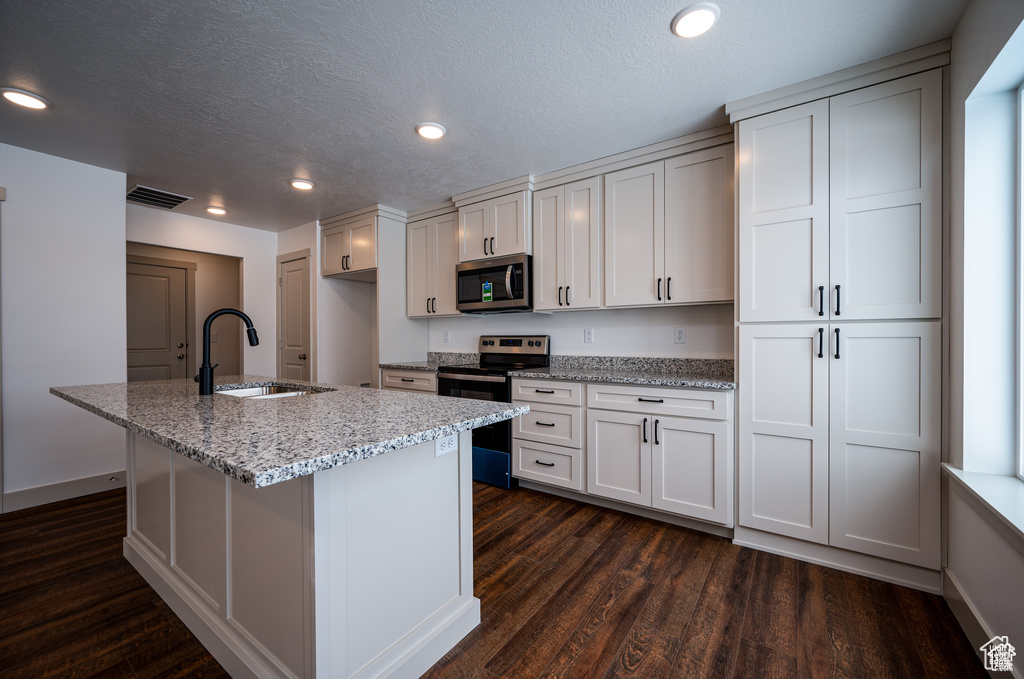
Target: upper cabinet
<point>567,246</point>
<point>349,247</point>
<point>495,227</point>
<point>840,206</point>
<point>431,255</point>
<point>669,231</point>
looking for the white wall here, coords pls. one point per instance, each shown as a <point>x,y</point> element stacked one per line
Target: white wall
<point>257,250</point>
<point>617,332</point>
<point>62,254</point>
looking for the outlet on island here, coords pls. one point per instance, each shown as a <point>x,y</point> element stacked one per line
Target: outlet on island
<point>445,445</point>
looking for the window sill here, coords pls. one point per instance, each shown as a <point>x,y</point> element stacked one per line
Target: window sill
<point>998,499</point>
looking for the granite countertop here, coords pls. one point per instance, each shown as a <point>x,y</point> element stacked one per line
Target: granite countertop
<point>265,441</point>
<point>654,377</point>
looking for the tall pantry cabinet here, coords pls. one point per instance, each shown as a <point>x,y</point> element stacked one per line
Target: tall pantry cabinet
<point>840,239</point>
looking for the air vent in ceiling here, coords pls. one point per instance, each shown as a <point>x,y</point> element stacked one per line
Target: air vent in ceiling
<point>144,195</point>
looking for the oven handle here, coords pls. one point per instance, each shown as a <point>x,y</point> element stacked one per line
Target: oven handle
<point>470,378</point>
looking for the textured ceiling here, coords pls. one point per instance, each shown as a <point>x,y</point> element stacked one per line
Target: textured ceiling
<point>226,101</point>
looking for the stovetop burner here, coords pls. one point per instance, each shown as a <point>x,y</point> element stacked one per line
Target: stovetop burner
<point>500,354</point>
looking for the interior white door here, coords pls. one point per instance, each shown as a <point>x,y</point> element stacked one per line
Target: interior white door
<point>418,239</point>
<point>446,257</point>
<point>885,440</point>
<point>783,429</point>
<point>886,200</point>
<point>634,236</point>
<point>783,214</point>
<point>619,455</point>
<point>699,226</point>
<point>548,260</point>
<point>690,468</point>
<point>581,272</point>
<point>294,342</point>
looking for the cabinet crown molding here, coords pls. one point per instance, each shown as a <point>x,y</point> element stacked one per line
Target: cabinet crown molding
<point>524,183</point>
<point>924,58</point>
<point>431,211</point>
<point>362,213</point>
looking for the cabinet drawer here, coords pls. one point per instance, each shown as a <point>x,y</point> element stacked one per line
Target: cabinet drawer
<point>409,380</point>
<point>561,425</point>
<point>554,465</point>
<point>707,404</point>
<point>547,391</point>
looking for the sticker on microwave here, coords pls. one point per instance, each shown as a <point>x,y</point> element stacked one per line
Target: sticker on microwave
<point>488,295</point>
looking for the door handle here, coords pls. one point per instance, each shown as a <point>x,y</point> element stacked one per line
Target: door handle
<point>433,305</point>
<point>181,345</point>
<point>821,342</point>
<point>659,289</point>
<point>821,300</point>
<point>180,356</point>
<point>645,430</point>
<point>559,295</point>
<point>656,442</point>
<point>837,342</point>
<point>428,305</point>
<point>302,357</point>
<point>668,294</point>
<point>837,300</point>
<point>567,296</point>
<point>492,245</point>
<point>485,245</point>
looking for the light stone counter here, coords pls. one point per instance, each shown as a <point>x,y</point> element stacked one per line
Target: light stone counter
<point>265,441</point>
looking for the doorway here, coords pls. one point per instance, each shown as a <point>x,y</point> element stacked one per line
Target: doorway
<point>160,295</point>
<point>294,348</point>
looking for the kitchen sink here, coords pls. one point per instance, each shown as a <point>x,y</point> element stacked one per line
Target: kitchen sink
<point>269,391</point>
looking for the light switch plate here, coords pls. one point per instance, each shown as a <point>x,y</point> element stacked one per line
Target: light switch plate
<point>445,445</point>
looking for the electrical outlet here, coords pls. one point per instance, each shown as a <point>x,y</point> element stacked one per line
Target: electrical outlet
<point>448,444</point>
<point>588,335</point>
<point>680,337</point>
<point>447,336</point>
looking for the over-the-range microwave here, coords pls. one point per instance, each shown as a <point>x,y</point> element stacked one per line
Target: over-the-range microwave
<point>493,286</point>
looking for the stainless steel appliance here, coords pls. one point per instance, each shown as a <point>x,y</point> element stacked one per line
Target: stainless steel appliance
<point>493,286</point>
<point>488,380</point>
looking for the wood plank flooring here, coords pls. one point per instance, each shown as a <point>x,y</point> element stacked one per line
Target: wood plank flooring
<point>567,590</point>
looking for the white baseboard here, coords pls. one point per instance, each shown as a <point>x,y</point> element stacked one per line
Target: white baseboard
<point>65,490</point>
<point>978,633</point>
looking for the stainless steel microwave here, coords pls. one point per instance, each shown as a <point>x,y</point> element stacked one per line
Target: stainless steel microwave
<point>493,286</point>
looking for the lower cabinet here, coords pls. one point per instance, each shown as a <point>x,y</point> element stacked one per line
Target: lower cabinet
<point>409,380</point>
<point>547,442</point>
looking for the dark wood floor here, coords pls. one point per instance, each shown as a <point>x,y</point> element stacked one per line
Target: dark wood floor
<point>567,589</point>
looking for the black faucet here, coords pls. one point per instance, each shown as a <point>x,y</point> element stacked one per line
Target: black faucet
<point>205,376</point>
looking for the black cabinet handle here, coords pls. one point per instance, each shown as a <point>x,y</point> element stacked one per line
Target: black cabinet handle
<point>837,342</point>
<point>837,300</point>
<point>821,342</point>
<point>659,289</point>
<point>433,305</point>
<point>645,430</point>
<point>544,391</point>
<point>545,464</point>
<point>668,294</point>
<point>559,295</point>
<point>408,379</point>
<point>567,296</point>
<point>492,245</point>
<point>428,305</point>
<point>650,400</point>
<point>545,424</point>
<point>656,442</point>
<point>485,245</point>
<point>821,300</point>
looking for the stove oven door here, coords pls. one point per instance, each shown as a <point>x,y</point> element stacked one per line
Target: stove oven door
<point>492,445</point>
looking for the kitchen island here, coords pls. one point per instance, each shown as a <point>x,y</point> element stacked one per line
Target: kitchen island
<point>319,535</point>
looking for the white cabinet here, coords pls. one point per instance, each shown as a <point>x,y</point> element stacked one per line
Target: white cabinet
<point>669,231</point>
<point>432,254</point>
<point>495,227</point>
<point>839,435</point>
<point>408,380</point>
<point>547,442</point>
<point>348,248</point>
<point>638,454</point>
<point>840,206</point>
<point>567,246</point>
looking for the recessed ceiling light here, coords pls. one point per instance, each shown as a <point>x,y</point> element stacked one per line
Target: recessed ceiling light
<point>213,210</point>
<point>23,98</point>
<point>430,130</point>
<point>302,184</point>
<point>695,20</point>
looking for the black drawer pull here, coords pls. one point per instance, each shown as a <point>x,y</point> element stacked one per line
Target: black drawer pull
<point>656,442</point>
<point>821,300</point>
<point>485,245</point>
<point>544,391</point>
<point>559,295</point>
<point>668,288</point>
<point>837,342</point>
<point>408,379</point>
<point>659,289</point>
<point>545,424</point>
<point>545,464</point>
<point>567,296</point>
<point>650,400</point>
<point>433,304</point>
<point>821,342</point>
<point>645,430</point>
<point>837,300</point>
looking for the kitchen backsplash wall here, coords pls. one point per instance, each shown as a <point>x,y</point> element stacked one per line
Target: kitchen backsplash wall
<point>617,332</point>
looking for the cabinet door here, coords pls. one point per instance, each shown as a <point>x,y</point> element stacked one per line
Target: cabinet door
<point>619,456</point>
<point>582,244</point>
<point>634,235</point>
<point>363,245</point>
<point>446,256</point>
<point>699,226</point>
<point>335,245</point>
<point>473,229</point>
<point>886,199</point>
<point>783,430</point>
<point>508,225</point>
<point>885,440</point>
<point>548,227</point>
<point>690,468</point>
<point>418,237</point>
<point>783,214</point>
